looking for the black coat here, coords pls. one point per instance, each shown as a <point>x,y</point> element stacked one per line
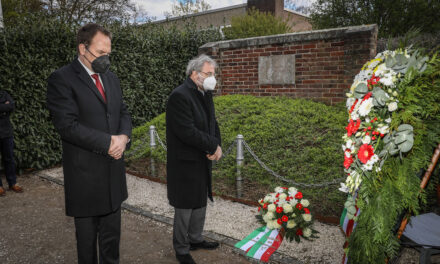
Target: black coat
<point>192,132</point>
<point>5,111</point>
<point>94,183</point>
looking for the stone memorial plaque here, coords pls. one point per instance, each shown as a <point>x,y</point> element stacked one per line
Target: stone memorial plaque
<point>277,69</point>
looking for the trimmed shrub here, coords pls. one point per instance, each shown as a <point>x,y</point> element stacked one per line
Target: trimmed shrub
<point>296,138</point>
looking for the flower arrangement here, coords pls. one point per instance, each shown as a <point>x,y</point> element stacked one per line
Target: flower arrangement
<point>288,211</point>
<point>372,100</point>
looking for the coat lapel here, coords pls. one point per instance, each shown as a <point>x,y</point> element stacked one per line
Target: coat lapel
<point>84,76</point>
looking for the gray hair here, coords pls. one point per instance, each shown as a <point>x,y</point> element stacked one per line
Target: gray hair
<point>197,63</point>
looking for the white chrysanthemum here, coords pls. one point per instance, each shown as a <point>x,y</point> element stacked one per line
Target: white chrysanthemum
<point>354,115</point>
<point>269,225</point>
<point>287,208</point>
<point>388,120</point>
<point>293,202</point>
<point>307,217</point>
<point>307,232</point>
<point>392,106</point>
<point>349,143</point>
<point>279,190</point>
<point>374,158</point>
<point>269,216</point>
<point>271,208</point>
<point>267,198</point>
<point>305,202</point>
<point>367,166</point>
<point>366,140</point>
<point>365,107</point>
<point>291,224</point>
<point>387,80</point>
<point>381,69</point>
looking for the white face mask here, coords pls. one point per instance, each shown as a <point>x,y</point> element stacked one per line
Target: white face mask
<point>209,83</point>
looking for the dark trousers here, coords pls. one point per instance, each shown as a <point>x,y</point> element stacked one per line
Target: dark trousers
<point>7,151</point>
<point>188,228</point>
<point>103,232</point>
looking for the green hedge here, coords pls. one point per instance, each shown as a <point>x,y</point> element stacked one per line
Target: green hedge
<point>149,60</point>
<point>298,139</point>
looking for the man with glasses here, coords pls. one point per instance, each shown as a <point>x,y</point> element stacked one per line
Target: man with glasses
<point>193,142</point>
<point>85,102</point>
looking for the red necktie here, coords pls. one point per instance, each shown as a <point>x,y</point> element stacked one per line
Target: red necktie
<point>99,86</point>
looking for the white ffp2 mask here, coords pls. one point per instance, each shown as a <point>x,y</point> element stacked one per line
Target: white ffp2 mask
<point>209,83</point>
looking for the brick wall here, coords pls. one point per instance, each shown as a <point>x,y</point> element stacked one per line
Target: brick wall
<point>325,62</point>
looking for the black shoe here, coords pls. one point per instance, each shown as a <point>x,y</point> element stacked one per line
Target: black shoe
<point>185,259</point>
<point>204,245</point>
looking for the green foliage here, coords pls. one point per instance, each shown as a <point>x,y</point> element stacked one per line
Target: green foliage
<point>298,139</point>
<point>394,18</point>
<point>255,24</point>
<point>149,61</point>
<point>384,196</point>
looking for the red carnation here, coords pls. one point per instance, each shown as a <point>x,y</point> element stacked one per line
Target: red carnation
<point>347,162</point>
<point>285,188</point>
<point>265,206</point>
<point>285,218</point>
<point>306,210</point>
<point>299,232</point>
<point>279,221</point>
<point>352,127</point>
<point>279,210</point>
<point>287,198</point>
<point>298,195</point>
<point>365,153</point>
<point>277,195</point>
<point>299,206</point>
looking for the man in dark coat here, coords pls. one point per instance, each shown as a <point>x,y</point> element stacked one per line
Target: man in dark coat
<point>193,142</point>
<point>7,105</point>
<point>85,102</point>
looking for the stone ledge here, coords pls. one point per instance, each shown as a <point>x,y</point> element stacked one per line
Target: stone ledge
<point>288,38</point>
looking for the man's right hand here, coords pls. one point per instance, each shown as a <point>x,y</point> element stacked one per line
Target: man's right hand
<point>117,146</point>
<point>7,102</point>
<point>217,155</point>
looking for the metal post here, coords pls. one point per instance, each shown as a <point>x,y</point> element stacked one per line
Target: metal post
<point>152,146</point>
<point>240,160</point>
<point>1,16</point>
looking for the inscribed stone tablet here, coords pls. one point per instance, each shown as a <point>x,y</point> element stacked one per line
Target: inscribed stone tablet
<point>277,69</point>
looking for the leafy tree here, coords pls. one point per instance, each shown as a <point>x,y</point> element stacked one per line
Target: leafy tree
<point>394,18</point>
<point>15,10</point>
<point>186,7</point>
<point>256,23</point>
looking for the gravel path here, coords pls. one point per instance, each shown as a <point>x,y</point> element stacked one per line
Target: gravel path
<point>232,219</point>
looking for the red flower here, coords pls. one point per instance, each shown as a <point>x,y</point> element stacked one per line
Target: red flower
<point>365,153</point>
<point>299,232</point>
<point>299,206</point>
<point>367,96</point>
<point>299,195</point>
<point>306,210</point>
<point>347,161</point>
<point>265,206</point>
<point>278,195</point>
<point>353,106</point>
<point>285,218</point>
<point>352,127</point>
<point>259,208</point>
<point>287,198</point>
<point>279,221</point>
<point>285,188</point>
<point>279,210</point>
<point>373,138</point>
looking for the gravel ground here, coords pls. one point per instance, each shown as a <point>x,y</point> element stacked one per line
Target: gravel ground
<point>236,220</point>
<point>35,230</point>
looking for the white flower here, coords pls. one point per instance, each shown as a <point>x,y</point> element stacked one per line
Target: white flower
<point>268,217</point>
<point>381,70</point>
<point>305,202</point>
<point>366,140</point>
<point>307,232</point>
<point>307,217</point>
<point>388,120</point>
<point>267,198</point>
<point>279,190</point>
<point>283,196</point>
<point>378,169</point>
<point>367,166</point>
<point>358,134</point>
<point>275,224</point>
<point>291,224</point>
<point>293,202</point>
<point>395,93</point>
<point>269,225</point>
<point>287,208</point>
<point>349,143</point>
<point>350,102</point>
<point>392,107</point>
<point>384,129</point>
<point>365,107</point>
<point>354,115</point>
<point>348,153</point>
<point>374,159</point>
<point>271,208</point>
<point>387,80</point>
<point>343,188</point>
<point>292,191</point>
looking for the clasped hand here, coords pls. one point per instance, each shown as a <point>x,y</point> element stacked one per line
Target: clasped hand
<point>217,155</point>
<point>117,146</point>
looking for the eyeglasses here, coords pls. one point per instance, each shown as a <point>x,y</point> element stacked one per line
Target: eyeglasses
<point>208,74</point>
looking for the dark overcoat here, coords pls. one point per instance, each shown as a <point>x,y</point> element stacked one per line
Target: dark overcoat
<point>94,183</point>
<point>5,111</point>
<point>192,133</point>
